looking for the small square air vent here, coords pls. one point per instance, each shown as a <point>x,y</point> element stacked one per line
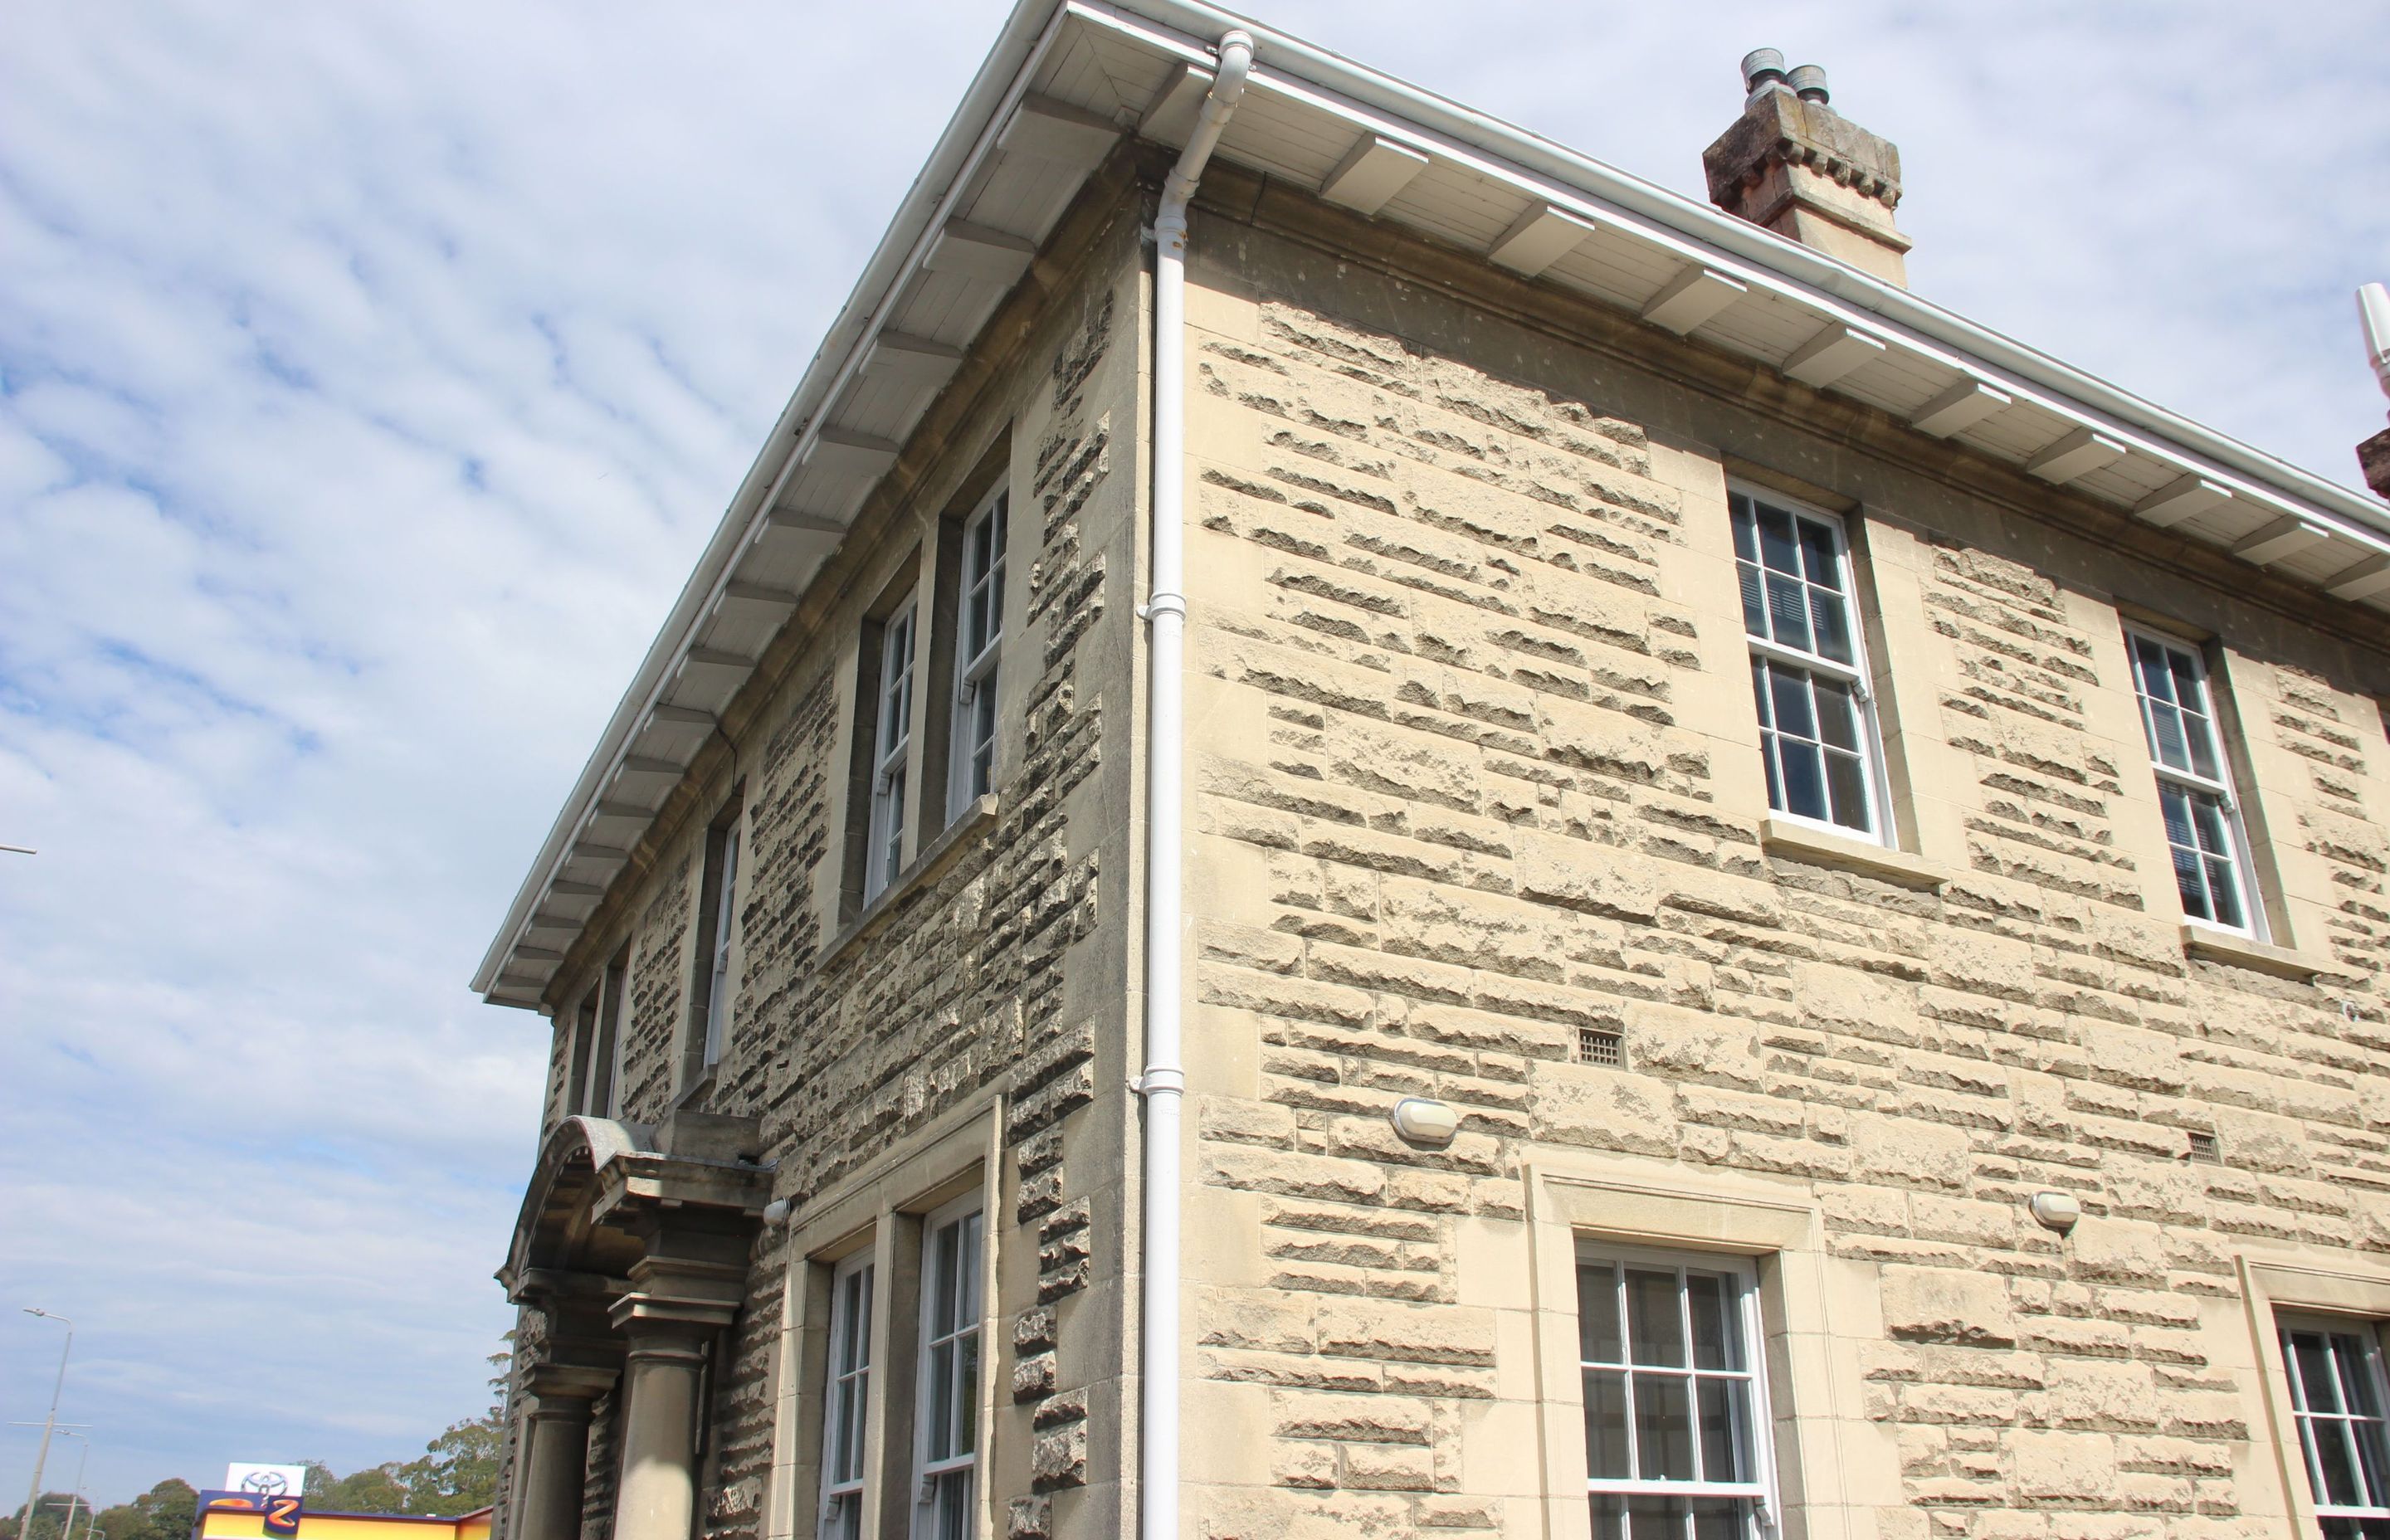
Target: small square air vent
<point>1601,1045</point>
<point>2204,1150</point>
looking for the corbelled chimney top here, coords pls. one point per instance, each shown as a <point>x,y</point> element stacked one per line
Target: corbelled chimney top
<point>1792,164</point>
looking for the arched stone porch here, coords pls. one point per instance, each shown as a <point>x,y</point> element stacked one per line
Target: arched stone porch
<point>633,1242</point>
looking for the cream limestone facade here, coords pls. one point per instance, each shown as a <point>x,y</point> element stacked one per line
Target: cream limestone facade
<point>835,1226</point>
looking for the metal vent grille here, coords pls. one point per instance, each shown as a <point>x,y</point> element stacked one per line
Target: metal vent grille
<point>1600,1046</point>
<point>2203,1149</point>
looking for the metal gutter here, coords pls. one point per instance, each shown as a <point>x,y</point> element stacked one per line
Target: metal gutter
<point>1292,62</point>
<point>1536,166</point>
<point>1001,78</point>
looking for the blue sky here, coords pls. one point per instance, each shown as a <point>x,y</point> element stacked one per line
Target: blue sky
<point>371,374</point>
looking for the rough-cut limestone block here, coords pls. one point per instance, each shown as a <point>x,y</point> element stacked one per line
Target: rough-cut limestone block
<point>1367,1328</point>
<point>2090,1392</point>
<point>1602,1109</point>
<point>1907,1152</point>
<point>1942,1305</point>
<point>2119,1251</point>
<point>1354,1419</point>
<point>1602,880</point>
<point>2063,1468</point>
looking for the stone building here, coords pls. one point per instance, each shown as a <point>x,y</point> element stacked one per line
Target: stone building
<point>1770,903</point>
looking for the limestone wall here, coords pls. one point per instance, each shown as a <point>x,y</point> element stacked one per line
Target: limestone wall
<point>1474,783</point>
<point>996,974</point>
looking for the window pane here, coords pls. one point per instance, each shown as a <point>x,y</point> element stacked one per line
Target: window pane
<point>2372,1463</point>
<point>1717,1344</point>
<point>942,1401</point>
<point>1609,1517</point>
<point>1847,787</point>
<point>2207,820</point>
<point>966,1439</point>
<point>1720,1518</point>
<point>2224,894</point>
<point>1833,625</point>
<point>1597,1312</point>
<point>2335,1462</point>
<point>1778,547</point>
<point>1754,604</point>
<point>1805,778</point>
<point>1655,1519</point>
<point>1817,556</point>
<point>1759,690</point>
<point>1746,538</point>
<point>1794,713</point>
<point>2355,1375</point>
<point>1838,713</point>
<point>1655,1330</point>
<point>1726,1430</point>
<point>2314,1371</point>
<point>1788,605</point>
<point>1605,1425</point>
<point>1663,1427</point>
<point>2167,744</point>
<point>2151,666</point>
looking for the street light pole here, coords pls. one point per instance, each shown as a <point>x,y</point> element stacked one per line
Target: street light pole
<point>50,1423</point>
<point>66,1531</point>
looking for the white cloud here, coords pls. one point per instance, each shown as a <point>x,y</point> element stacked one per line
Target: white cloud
<point>370,378</point>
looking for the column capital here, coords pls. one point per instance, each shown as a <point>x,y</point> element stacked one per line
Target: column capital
<point>566,1390</point>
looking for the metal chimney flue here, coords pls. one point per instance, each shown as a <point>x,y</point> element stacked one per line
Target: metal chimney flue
<point>2373,319</point>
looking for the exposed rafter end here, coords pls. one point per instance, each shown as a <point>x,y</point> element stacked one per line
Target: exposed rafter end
<point>841,452</point>
<point>2179,499</point>
<point>2285,537</point>
<point>1831,355</point>
<point>2361,580</point>
<point>1044,129</point>
<point>919,361</point>
<point>1958,408</point>
<point>2075,455</point>
<point>1539,238</point>
<point>1172,118</point>
<point>1371,174</point>
<point>975,252</point>
<point>787,521</point>
<point>1693,296</point>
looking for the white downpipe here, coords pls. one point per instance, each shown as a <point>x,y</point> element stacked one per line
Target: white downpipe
<point>1164,1082</point>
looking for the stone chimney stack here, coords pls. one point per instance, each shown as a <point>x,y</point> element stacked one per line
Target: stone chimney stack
<point>1795,165</point>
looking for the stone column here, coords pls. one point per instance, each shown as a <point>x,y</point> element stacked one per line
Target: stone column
<point>555,1456</point>
<point>655,1496</point>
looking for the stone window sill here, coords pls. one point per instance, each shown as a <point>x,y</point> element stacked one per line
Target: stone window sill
<point>2222,947</point>
<point>976,820</point>
<point>1801,843</point>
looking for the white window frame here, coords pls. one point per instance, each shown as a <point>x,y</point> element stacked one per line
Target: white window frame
<point>614,1015</point>
<point>1855,674</point>
<point>892,750</point>
<point>931,1476</point>
<point>2304,1419</point>
<point>976,666</point>
<point>726,926</point>
<point>847,1363</point>
<point>2191,783</point>
<point>1760,1490</point>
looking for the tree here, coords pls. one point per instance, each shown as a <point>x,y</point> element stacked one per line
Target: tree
<point>456,1473</point>
<point>166,1511</point>
<point>49,1518</point>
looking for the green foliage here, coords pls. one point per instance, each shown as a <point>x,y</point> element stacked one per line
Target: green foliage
<point>166,1511</point>
<point>458,1471</point>
<point>49,1518</point>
